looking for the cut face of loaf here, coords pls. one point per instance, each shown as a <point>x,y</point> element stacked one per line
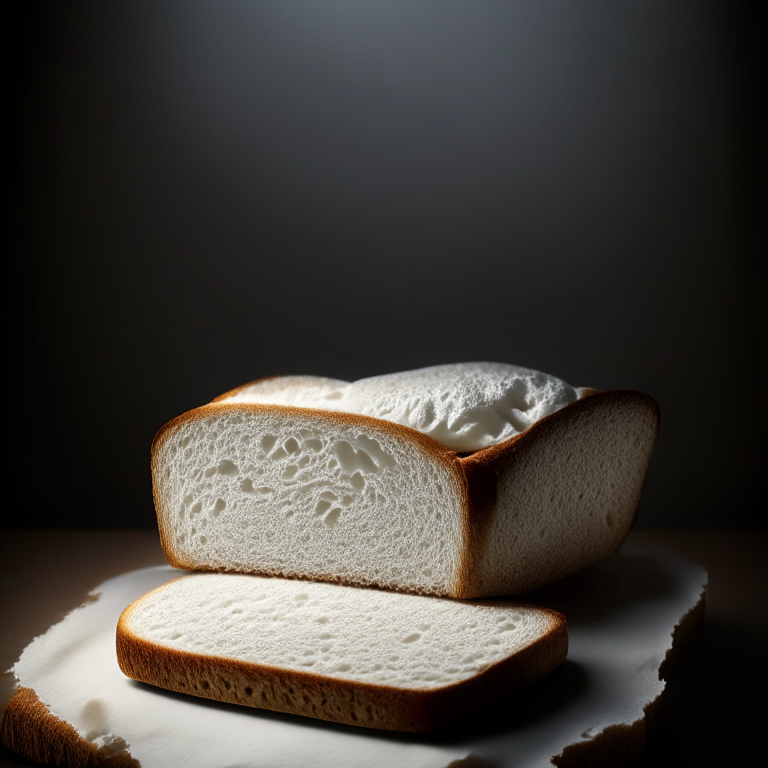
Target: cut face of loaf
<point>358,656</point>
<point>315,494</point>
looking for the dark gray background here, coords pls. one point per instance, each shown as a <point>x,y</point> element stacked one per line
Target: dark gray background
<point>210,192</point>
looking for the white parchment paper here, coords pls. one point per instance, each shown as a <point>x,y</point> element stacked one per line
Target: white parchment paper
<point>621,617</point>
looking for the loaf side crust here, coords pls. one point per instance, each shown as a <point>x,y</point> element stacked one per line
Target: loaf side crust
<point>499,460</point>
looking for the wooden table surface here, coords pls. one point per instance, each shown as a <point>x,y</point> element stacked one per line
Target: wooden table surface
<point>710,716</point>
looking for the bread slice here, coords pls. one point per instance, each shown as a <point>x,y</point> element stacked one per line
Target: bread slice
<point>358,656</point>
<point>289,490</point>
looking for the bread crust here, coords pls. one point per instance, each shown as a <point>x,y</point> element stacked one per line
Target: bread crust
<point>262,686</point>
<point>476,476</point>
<point>31,731</point>
<point>495,459</point>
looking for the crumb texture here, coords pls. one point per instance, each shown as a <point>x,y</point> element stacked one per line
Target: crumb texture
<point>464,406</point>
<point>342,633</point>
<point>294,493</point>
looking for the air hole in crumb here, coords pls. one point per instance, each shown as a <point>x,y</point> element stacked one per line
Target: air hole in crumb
<point>332,517</point>
<point>226,467</point>
<point>268,442</point>
<point>322,507</point>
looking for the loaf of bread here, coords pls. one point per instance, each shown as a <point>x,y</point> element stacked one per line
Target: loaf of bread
<point>358,656</point>
<point>468,480</point>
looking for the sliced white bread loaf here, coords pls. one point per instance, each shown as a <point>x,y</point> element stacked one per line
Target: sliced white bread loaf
<point>363,657</point>
<point>280,487</point>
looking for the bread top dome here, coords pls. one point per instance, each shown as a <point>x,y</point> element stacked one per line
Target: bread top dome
<point>464,406</point>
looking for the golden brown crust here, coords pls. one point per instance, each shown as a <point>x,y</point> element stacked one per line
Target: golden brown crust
<point>481,491</point>
<point>31,731</point>
<point>342,701</point>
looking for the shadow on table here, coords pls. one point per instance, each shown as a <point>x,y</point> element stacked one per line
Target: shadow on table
<point>606,589</point>
<point>712,712</point>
